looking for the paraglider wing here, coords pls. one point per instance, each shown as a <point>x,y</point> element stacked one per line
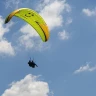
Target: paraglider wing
<point>34,19</point>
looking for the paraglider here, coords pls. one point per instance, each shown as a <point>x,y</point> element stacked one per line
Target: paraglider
<point>32,64</point>
<point>35,20</point>
<point>32,18</point>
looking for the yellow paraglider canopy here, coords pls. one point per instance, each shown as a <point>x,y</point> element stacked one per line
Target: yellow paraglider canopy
<point>34,19</point>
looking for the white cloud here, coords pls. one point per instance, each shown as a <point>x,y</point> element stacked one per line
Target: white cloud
<point>89,12</point>
<point>63,35</point>
<point>52,12</point>
<point>14,4</point>
<point>29,86</point>
<point>69,21</point>
<point>31,39</point>
<point>11,3</point>
<point>3,29</point>
<point>46,1</point>
<point>28,34</point>
<point>5,46</point>
<point>27,29</point>
<point>85,69</point>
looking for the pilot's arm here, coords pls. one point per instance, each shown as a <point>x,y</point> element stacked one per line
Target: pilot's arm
<point>36,65</point>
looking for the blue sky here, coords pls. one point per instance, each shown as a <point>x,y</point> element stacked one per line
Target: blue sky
<point>67,63</point>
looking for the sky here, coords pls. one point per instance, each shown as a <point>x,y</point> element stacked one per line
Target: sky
<point>66,62</point>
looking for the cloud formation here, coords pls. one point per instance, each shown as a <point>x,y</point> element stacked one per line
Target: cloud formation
<point>10,3</point>
<point>86,68</point>
<point>63,35</point>
<point>52,11</point>
<point>6,47</point>
<point>30,39</point>
<point>29,86</point>
<point>16,3</point>
<point>68,21</point>
<point>89,12</point>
